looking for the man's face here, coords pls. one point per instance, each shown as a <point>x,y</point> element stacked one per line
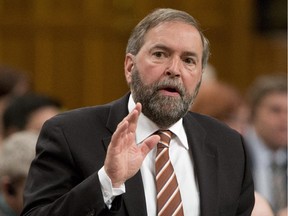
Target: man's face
<point>38,117</point>
<point>270,119</point>
<point>166,73</point>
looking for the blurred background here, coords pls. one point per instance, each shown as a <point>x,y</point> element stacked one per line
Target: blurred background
<point>74,49</point>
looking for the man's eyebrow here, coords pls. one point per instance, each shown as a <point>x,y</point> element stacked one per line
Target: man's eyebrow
<point>188,53</point>
<point>160,46</point>
<point>166,48</point>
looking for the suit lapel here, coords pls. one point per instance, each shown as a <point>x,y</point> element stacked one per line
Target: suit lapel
<point>118,110</point>
<point>204,157</point>
<point>134,198</point>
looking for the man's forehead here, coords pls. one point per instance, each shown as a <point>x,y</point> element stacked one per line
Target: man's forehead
<point>165,34</point>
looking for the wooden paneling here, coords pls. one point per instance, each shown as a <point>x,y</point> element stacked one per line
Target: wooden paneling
<point>74,49</point>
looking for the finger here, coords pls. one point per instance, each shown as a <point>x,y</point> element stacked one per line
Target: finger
<point>132,115</point>
<point>119,133</point>
<point>133,118</point>
<point>126,127</point>
<point>138,107</point>
<point>148,144</point>
<point>135,112</point>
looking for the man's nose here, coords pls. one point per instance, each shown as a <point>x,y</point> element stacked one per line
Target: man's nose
<point>174,67</point>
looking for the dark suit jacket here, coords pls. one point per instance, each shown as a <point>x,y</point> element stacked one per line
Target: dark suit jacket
<point>63,178</point>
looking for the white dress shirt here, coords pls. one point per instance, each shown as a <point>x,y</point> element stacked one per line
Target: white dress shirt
<point>180,159</point>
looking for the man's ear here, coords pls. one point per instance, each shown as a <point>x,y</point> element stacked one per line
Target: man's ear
<point>128,66</point>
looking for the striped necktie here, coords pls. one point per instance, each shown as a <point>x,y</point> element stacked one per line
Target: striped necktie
<point>168,195</point>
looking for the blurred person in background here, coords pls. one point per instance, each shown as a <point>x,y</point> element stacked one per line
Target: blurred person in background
<point>262,207</point>
<point>13,82</point>
<point>18,150</point>
<point>29,112</point>
<point>222,101</point>
<point>266,138</point>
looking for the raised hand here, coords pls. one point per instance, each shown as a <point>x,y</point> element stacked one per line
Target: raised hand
<point>124,157</point>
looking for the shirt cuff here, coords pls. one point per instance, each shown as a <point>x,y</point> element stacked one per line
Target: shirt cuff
<point>108,192</point>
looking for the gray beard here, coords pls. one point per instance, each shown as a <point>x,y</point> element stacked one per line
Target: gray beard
<point>163,110</point>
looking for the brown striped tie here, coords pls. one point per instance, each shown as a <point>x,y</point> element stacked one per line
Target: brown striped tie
<point>168,195</point>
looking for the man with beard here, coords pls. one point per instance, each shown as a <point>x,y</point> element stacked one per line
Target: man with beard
<point>101,160</point>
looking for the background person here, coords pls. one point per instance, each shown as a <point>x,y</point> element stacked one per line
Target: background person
<point>29,112</point>
<point>13,83</point>
<point>266,138</point>
<point>16,155</point>
<point>223,102</point>
<point>262,207</point>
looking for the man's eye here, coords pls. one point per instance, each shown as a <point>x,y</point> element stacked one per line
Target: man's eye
<point>275,109</point>
<point>158,54</point>
<point>189,60</point>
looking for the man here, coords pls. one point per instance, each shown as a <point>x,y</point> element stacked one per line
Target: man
<point>13,82</point>
<point>29,112</point>
<point>101,160</point>
<point>266,138</point>
<point>16,155</point>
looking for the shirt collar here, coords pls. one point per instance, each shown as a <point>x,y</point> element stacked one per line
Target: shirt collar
<point>146,127</point>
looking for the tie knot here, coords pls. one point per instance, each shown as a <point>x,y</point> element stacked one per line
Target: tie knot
<point>165,138</point>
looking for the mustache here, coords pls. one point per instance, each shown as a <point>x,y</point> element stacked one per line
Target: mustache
<point>170,85</point>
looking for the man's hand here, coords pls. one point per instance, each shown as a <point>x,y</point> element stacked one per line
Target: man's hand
<point>124,157</point>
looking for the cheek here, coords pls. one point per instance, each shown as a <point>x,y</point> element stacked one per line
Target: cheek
<point>150,73</point>
<point>191,81</point>
<point>266,120</point>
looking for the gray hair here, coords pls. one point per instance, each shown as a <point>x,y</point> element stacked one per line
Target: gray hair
<point>157,17</point>
<point>17,153</point>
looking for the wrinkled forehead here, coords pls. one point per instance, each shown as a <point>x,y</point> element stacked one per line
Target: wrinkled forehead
<point>176,33</point>
<point>170,26</point>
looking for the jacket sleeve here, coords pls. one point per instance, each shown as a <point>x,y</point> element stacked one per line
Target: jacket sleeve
<point>55,185</point>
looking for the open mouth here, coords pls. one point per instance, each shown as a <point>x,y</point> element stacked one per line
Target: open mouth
<point>170,90</point>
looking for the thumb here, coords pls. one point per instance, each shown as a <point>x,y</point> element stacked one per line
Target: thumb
<point>148,144</point>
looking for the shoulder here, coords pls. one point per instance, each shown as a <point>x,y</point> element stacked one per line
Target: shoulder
<point>208,123</point>
<point>98,114</point>
<point>77,116</point>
